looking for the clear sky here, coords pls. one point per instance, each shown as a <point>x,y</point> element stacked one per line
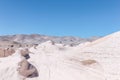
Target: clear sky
<point>82,18</point>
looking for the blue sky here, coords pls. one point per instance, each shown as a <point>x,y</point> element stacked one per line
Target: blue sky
<point>82,18</point>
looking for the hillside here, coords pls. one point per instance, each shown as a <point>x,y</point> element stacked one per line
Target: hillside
<point>29,40</point>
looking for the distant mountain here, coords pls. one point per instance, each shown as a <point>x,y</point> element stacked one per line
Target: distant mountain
<point>37,39</point>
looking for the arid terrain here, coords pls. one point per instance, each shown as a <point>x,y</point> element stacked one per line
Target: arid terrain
<point>56,59</point>
<point>28,40</point>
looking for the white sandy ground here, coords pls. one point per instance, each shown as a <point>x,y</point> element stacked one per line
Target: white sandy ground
<point>59,62</point>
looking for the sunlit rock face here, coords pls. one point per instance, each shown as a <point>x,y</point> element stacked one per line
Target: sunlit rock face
<point>97,60</point>
<point>5,52</point>
<point>107,52</point>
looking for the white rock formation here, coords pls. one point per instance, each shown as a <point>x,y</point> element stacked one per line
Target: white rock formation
<point>98,60</point>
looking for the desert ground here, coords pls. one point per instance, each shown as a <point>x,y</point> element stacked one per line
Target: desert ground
<point>89,60</point>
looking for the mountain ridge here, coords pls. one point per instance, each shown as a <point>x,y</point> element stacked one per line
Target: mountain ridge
<point>32,39</point>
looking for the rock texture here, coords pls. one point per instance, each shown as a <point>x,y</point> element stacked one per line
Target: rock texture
<point>96,60</point>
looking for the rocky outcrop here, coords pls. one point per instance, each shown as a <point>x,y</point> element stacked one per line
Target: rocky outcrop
<point>6,52</point>
<point>26,69</point>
